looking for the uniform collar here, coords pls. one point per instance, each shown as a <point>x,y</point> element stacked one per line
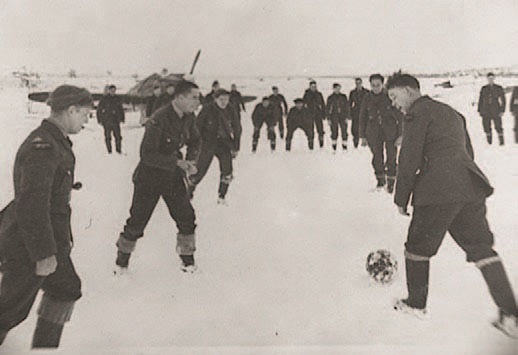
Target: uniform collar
<point>55,131</point>
<point>178,112</point>
<point>417,102</point>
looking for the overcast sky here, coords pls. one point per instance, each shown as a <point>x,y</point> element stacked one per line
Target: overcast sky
<point>262,37</point>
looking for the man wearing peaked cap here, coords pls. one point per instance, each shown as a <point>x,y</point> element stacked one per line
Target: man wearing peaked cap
<point>35,229</point>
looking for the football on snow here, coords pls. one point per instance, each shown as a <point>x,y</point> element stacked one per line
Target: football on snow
<point>381,266</point>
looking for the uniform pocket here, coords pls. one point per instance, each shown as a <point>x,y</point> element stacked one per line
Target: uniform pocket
<point>168,145</point>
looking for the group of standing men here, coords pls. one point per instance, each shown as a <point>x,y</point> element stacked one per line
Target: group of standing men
<point>373,120</point>
<point>491,106</point>
<point>309,114</point>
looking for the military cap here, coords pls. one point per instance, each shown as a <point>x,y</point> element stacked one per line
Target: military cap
<point>65,96</point>
<point>221,92</point>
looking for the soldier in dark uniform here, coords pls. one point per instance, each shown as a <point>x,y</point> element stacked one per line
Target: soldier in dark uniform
<point>150,102</point>
<point>209,98</point>
<point>337,110</point>
<point>380,128</point>
<point>220,131</point>
<point>448,190</point>
<point>280,108</point>
<point>161,172</point>
<point>314,101</point>
<point>35,230</point>
<point>491,106</point>
<point>110,114</point>
<point>236,100</point>
<point>299,117</point>
<point>514,111</point>
<point>165,98</point>
<point>263,114</point>
<point>356,97</point>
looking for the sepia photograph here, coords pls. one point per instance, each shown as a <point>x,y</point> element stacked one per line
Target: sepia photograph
<point>259,177</point>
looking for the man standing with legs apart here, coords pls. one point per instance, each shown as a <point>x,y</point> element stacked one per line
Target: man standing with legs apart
<point>280,108</point>
<point>220,130</point>
<point>448,192</point>
<point>35,230</point>
<point>161,173</point>
<point>110,114</point>
<point>356,97</point>
<point>380,128</point>
<point>299,117</point>
<point>314,101</point>
<point>491,106</point>
<point>337,110</point>
<point>263,114</point>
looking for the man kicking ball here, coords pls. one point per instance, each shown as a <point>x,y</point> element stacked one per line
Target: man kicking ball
<point>449,194</point>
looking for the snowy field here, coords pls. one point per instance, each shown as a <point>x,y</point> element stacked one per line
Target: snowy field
<point>282,267</point>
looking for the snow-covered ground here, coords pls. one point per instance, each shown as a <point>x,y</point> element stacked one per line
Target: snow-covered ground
<point>281,268</point>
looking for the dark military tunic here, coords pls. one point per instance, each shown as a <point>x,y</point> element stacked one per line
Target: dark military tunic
<point>110,110</point>
<point>448,190</point>
<point>436,160</point>
<point>514,110</point>
<point>314,102</point>
<point>110,114</point>
<point>337,110</point>
<point>280,108</point>
<point>209,98</point>
<point>162,100</point>
<point>300,119</point>
<point>36,225</point>
<point>220,130</point>
<point>380,124</point>
<point>491,104</point>
<point>379,119</point>
<point>280,101</point>
<point>157,174</point>
<point>260,116</point>
<point>236,100</point>
<point>491,101</point>
<point>355,101</point>
<point>150,104</point>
